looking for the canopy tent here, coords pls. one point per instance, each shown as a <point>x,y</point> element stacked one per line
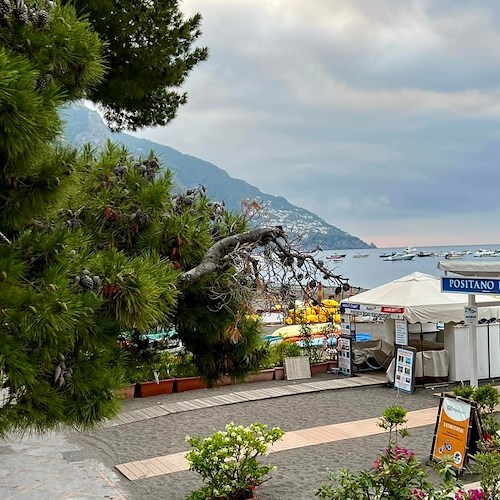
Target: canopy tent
<point>479,269</point>
<point>423,301</point>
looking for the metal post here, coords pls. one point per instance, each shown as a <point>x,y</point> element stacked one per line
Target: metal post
<point>473,345</point>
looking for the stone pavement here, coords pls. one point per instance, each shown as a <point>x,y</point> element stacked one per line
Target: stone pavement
<point>82,465</point>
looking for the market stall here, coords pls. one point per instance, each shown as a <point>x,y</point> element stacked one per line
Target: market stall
<point>417,299</point>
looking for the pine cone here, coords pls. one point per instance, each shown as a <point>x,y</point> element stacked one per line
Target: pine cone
<point>86,282</point>
<point>5,8</point>
<point>97,281</point>
<point>43,82</point>
<point>120,171</point>
<point>21,14</point>
<point>41,19</point>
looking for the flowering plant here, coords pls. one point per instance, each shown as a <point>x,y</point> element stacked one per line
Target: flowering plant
<point>396,474</point>
<point>476,494</point>
<point>227,460</point>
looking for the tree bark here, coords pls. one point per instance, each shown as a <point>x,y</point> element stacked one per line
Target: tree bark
<point>216,258</point>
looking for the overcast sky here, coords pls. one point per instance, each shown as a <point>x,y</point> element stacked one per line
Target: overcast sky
<point>380,116</point>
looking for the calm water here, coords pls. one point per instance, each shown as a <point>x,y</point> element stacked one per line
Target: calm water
<point>372,271</point>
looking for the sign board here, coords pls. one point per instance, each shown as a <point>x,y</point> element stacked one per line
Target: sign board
<point>344,355</point>
<point>458,428</point>
<point>470,315</point>
<point>394,312</point>
<point>401,332</point>
<point>470,285</point>
<point>404,369</point>
<point>345,325</point>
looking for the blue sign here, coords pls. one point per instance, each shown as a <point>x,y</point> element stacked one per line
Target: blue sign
<point>348,305</point>
<point>470,285</point>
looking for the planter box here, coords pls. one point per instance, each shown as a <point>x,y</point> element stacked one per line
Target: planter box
<point>153,389</point>
<point>261,376</point>
<point>189,384</point>
<point>279,373</point>
<point>319,368</point>
<point>127,392</point>
<point>333,364</point>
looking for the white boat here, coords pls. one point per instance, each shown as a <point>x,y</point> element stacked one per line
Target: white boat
<point>360,255</point>
<point>400,256</point>
<point>454,255</point>
<point>485,253</point>
<point>410,249</point>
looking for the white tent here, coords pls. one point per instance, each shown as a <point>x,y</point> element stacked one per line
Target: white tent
<point>423,301</point>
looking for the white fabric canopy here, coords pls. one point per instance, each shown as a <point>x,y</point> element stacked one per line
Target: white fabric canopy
<point>479,269</point>
<point>423,301</point>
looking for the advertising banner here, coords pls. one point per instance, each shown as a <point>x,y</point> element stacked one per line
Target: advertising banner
<point>453,429</point>
<point>344,355</point>
<point>345,325</point>
<point>404,375</point>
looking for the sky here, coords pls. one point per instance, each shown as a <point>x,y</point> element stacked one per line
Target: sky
<point>380,116</point>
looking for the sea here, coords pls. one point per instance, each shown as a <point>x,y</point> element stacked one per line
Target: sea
<point>372,271</point>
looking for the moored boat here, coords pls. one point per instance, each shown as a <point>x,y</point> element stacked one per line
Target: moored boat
<point>454,255</point>
<point>336,256</point>
<point>400,256</point>
<point>360,255</point>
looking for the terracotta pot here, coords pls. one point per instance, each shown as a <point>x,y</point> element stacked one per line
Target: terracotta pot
<point>189,384</point>
<point>261,376</point>
<point>127,391</point>
<point>153,389</point>
<point>279,373</point>
<point>319,368</point>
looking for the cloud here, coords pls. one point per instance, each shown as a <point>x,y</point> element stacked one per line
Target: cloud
<point>367,113</point>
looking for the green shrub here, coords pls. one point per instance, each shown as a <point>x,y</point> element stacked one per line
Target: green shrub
<point>281,350</point>
<point>227,460</point>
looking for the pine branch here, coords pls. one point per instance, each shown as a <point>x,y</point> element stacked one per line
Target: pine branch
<point>3,237</point>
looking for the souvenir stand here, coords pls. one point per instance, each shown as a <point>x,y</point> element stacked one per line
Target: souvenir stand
<point>419,300</point>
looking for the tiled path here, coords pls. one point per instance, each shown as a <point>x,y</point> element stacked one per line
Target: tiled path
<point>296,439</point>
<point>243,396</point>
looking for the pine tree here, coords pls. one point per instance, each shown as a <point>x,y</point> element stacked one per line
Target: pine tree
<point>56,357</point>
<point>96,243</point>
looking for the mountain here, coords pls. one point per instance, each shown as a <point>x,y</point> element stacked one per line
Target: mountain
<point>86,126</point>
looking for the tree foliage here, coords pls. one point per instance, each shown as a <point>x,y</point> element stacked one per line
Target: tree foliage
<point>95,243</point>
<point>149,53</point>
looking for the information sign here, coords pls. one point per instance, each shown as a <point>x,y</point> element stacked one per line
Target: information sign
<point>457,425</point>
<point>345,325</point>
<point>344,355</point>
<point>404,370</point>
<point>470,285</point>
<point>401,332</point>
<point>470,315</point>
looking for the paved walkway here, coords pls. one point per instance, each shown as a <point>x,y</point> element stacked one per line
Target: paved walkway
<point>177,462</point>
<point>147,441</point>
<point>243,396</point>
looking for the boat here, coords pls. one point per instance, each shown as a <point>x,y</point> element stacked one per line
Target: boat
<point>409,250</point>
<point>485,253</point>
<point>454,255</point>
<point>425,253</point>
<point>336,256</point>
<point>360,255</point>
<point>400,256</point>
<point>384,255</point>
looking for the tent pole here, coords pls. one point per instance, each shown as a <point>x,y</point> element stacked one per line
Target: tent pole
<point>422,352</point>
<point>473,345</point>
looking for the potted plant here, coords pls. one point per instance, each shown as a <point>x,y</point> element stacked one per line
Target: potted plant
<point>227,461</point>
<point>156,379</point>
<point>278,352</point>
<point>186,375</point>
